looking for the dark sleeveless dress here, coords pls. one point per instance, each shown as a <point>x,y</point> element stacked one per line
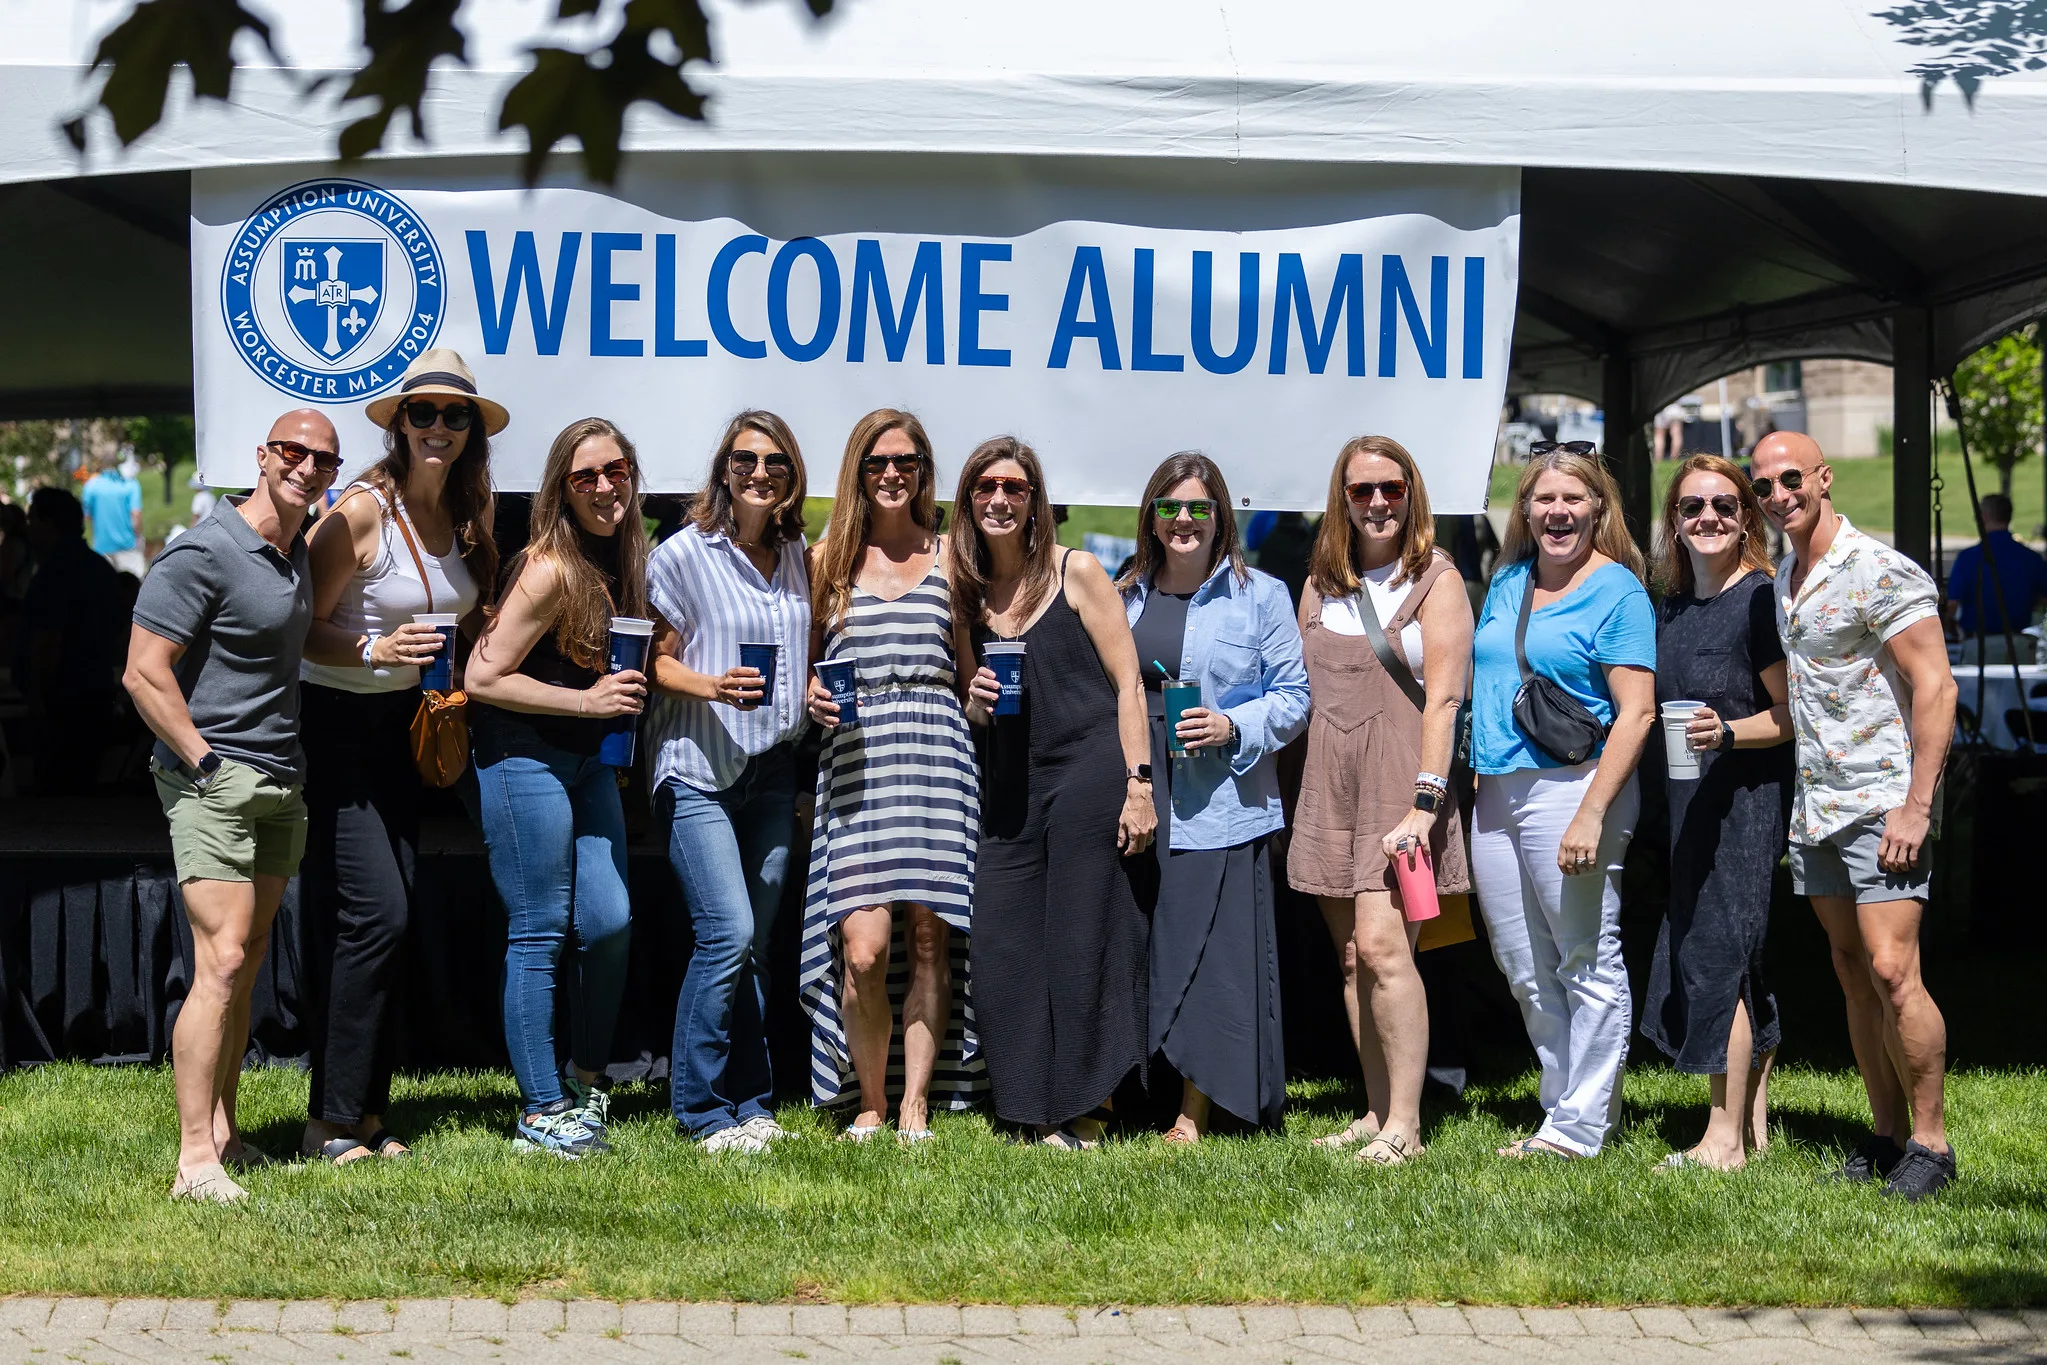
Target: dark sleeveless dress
<point>1060,967</point>
<point>1727,830</point>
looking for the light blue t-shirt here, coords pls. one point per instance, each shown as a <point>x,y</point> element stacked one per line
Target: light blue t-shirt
<point>112,502</point>
<point>1607,619</point>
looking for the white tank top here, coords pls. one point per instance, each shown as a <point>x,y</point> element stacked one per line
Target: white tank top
<point>1340,614</point>
<point>389,594</point>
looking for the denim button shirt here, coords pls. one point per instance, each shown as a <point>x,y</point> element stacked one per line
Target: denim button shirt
<point>1244,646</point>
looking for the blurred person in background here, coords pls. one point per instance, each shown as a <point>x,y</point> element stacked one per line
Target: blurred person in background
<point>113,505</point>
<point>70,647</point>
<point>1982,602</point>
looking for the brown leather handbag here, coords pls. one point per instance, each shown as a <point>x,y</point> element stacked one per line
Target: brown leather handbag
<point>440,728</point>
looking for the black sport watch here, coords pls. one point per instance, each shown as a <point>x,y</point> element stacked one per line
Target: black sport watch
<point>1141,773</point>
<point>204,769</point>
<point>1428,801</point>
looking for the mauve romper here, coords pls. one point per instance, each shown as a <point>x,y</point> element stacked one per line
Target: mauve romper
<point>1364,749</point>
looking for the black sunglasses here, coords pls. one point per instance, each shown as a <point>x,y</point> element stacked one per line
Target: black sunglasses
<point>1791,479</point>
<point>881,464</point>
<point>455,416</point>
<point>293,454</point>
<point>1568,447</point>
<point>1725,505</point>
<point>744,462</point>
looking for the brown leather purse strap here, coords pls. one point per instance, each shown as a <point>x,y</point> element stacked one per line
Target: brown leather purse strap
<point>398,515</point>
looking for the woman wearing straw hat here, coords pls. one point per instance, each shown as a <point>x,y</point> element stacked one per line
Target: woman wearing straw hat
<point>411,535</point>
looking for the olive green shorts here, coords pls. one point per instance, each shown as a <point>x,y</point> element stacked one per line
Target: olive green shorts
<point>244,823</point>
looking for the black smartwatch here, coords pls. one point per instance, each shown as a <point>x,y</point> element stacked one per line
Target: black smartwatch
<point>203,771</point>
<point>1140,773</point>
<point>1726,737</point>
<point>1428,801</point>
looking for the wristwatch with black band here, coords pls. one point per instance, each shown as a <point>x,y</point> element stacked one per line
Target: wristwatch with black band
<point>1139,773</point>
<point>203,771</point>
<point>1426,800</point>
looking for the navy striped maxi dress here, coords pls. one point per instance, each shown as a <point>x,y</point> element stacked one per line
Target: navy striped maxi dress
<point>898,819</point>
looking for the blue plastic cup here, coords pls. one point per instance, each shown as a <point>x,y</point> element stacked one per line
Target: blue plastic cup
<point>761,658</point>
<point>630,638</point>
<point>439,675</point>
<point>1006,661</point>
<point>837,677</point>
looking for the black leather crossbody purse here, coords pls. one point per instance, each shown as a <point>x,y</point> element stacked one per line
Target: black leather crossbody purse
<point>1554,721</point>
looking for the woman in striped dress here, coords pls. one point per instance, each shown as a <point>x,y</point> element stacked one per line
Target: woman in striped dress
<point>898,799</point>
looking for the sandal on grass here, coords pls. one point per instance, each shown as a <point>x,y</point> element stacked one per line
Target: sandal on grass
<point>1180,1137</point>
<point>1532,1146</point>
<point>860,1132</point>
<point>209,1184</point>
<point>248,1157</point>
<point>1066,1140</point>
<point>910,1137</point>
<point>340,1151</point>
<point>1360,1130</point>
<point>1389,1149</point>
<point>383,1144</point>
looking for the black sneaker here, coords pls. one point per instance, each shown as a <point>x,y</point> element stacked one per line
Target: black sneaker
<point>1874,1159</point>
<point>1921,1172</point>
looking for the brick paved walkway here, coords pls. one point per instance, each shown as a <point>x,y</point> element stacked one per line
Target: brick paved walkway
<point>95,1330</point>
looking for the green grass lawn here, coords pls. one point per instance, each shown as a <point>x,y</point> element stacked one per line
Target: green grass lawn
<point>86,1157</point>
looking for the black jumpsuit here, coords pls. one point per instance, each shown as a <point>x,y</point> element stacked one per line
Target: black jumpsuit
<point>1060,966</point>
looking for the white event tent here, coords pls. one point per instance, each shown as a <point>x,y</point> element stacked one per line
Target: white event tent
<point>1703,185</point>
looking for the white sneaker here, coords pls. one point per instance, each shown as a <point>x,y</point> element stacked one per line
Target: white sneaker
<point>764,1127</point>
<point>734,1139</point>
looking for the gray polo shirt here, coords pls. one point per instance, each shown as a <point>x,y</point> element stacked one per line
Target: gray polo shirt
<point>241,611</point>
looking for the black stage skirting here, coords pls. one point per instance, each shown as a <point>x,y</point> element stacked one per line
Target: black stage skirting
<point>95,958</point>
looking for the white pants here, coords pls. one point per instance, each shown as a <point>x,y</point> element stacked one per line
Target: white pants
<point>1557,939</point>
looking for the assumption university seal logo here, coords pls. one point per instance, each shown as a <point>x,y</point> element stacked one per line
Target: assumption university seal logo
<point>331,289</point>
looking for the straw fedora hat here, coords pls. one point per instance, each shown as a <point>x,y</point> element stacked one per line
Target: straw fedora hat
<point>438,373</point>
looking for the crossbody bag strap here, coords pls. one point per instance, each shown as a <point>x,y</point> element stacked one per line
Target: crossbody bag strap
<point>398,515</point>
<point>1521,630</point>
<point>1395,666</point>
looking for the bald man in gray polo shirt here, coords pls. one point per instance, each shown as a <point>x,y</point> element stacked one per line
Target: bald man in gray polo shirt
<point>213,663</point>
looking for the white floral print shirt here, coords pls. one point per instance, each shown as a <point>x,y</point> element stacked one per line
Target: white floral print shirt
<point>1850,717</point>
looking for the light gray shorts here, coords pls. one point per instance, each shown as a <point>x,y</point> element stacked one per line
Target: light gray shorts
<point>1845,866</point>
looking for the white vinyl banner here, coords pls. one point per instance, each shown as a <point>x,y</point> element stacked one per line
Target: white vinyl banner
<point>1106,323</point>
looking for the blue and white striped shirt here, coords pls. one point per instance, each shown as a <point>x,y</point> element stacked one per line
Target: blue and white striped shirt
<point>711,593</point>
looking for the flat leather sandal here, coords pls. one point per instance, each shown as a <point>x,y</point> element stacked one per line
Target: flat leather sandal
<point>1066,1140</point>
<point>1388,1149</point>
<point>1358,1131</point>
<point>381,1142</point>
<point>333,1150</point>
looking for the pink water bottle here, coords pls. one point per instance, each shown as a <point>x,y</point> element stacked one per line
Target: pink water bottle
<point>1414,872</point>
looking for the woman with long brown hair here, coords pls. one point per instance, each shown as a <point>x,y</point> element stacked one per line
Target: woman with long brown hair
<point>552,821</point>
<point>1563,700</point>
<point>898,798</point>
<point>1708,1003</point>
<point>1198,613</point>
<point>411,535</point>
<point>1386,627</point>
<point>732,585</point>
<point>1059,950</point>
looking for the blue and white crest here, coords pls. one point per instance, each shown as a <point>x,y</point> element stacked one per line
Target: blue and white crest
<point>331,288</point>
<point>332,291</point>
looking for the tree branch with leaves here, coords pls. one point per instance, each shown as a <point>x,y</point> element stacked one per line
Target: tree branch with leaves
<point>568,93</point>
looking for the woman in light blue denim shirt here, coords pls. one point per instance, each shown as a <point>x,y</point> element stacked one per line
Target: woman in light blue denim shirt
<point>1199,614</point>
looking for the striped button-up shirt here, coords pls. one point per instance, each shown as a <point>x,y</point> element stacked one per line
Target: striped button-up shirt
<point>710,592</point>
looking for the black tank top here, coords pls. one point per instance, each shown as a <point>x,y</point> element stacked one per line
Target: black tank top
<point>546,663</point>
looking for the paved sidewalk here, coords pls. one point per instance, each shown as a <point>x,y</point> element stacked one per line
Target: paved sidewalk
<point>95,1330</point>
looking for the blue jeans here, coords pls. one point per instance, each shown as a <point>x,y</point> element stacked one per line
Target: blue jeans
<point>730,850</point>
<point>556,835</point>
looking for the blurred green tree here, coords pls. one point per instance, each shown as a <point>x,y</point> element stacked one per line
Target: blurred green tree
<point>1999,390</point>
